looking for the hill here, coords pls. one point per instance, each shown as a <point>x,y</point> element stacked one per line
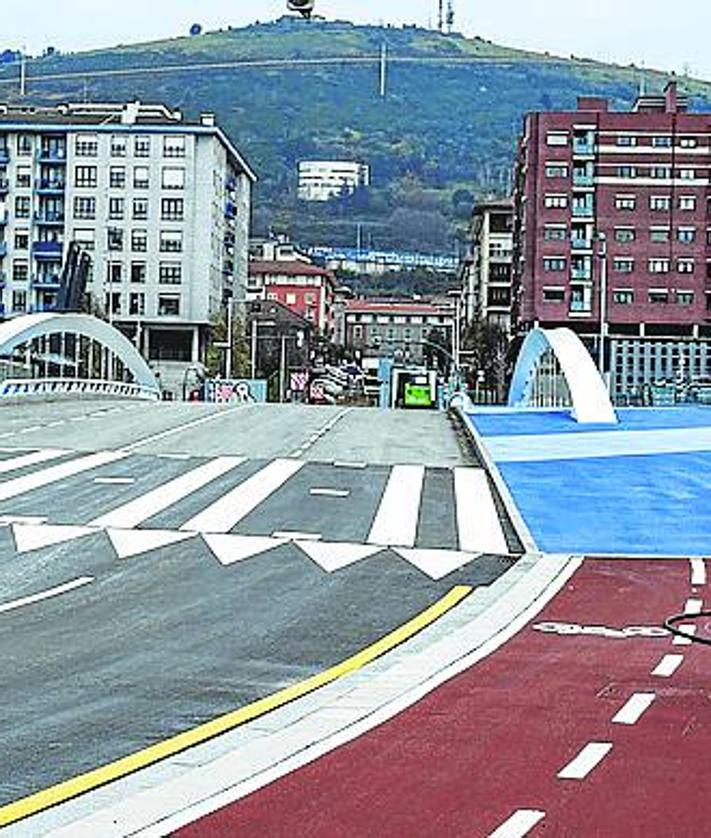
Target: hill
<point>287,90</point>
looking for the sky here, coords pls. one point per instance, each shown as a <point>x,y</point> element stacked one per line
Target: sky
<point>653,33</point>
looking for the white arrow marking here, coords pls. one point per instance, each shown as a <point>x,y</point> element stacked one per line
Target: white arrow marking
<point>129,543</point>
<point>436,563</point>
<point>31,537</point>
<point>229,549</point>
<point>335,556</point>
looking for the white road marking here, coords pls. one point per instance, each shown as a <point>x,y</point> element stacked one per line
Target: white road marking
<point>134,512</point>
<point>693,606</point>
<point>396,519</point>
<point>335,556</point>
<point>437,563</point>
<point>478,522</point>
<point>698,572</point>
<point>229,549</point>
<point>31,429</point>
<point>232,507</point>
<point>149,439</point>
<point>668,665</point>
<point>30,459</point>
<point>330,493</point>
<point>7,520</point>
<point>20,485</point>
<point>129,543</point>
<point>174,456</point>
<point>684,641</point>
<point>114,481</point>
<point>519,824</point>
<point>52,592</point>
<point>633,710</point>
<point>292,535</point>
<point>343,464</point>
<point>590,757</point>
<point>30,537</point>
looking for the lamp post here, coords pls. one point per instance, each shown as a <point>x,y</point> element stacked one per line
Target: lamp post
<point>602,253</point>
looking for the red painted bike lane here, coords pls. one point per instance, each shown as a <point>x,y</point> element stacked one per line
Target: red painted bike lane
<point>492,741</point>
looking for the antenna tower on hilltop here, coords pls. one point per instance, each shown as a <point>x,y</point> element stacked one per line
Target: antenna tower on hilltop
<point>445,22</point>
<point>450,16</point>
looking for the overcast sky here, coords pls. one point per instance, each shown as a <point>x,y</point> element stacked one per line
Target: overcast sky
<point>668,36</point>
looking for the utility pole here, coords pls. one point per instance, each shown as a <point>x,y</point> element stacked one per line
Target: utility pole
<point>230,338</point>
<point>23,72</point>
<point>450,16</point>
<point>440,16</point>
<point>383,69</point>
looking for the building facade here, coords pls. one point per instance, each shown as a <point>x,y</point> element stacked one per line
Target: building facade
<point>611,226</point>
<point>161,205</point>
<point>320,180</point>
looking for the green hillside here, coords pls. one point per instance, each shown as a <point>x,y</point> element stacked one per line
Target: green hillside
<point>445,132</point>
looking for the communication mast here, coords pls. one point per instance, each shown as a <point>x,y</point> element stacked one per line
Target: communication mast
<point>450,16</point>
<point>445,22</point>
<point>440,16</point>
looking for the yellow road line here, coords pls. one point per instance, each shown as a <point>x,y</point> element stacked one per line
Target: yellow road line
<point>60,793</point>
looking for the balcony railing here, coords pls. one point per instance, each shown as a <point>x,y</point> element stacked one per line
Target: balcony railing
<point>583,211</point>
<point>581,273</point>
<point>583,179</point>
<point>4,185</point>
<point>3,249</point>
<point>51,186</point>
<point>52,155</point>
<point>583,147</point>
<point>47,250</point>
<point>4,155</point>
<point>580,307</point>
<point>581,244</point>
<point>49,217</point>
<point>48,282</point>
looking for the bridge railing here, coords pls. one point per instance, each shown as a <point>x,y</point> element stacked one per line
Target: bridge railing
<point>28,388</point>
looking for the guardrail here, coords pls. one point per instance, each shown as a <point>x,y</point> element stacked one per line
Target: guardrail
<point>27,388</point>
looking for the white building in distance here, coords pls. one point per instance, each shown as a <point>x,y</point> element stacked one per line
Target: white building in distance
<point>320,180</point>
<point>161,204</point>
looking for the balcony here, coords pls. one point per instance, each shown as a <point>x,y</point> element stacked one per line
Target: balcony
<point>583,210</point>
<point>46,282</point>
<point>52,156</point>
<point>580,307</point>
<point>4,155</point>
<point>51,251</point>
<point>583,179</point>
<point>4,186</point>
<point>230,210</point>
<point>49,219</point>
<point>581,273</point>
<point>51,187</point>
<point>581,244</point>
<point>3,249</point>
<point>584,148</point>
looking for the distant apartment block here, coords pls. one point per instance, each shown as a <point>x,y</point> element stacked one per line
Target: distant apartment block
<point>320,180</point>
<point>161,205</point>
<point>486,276</point>
<point>618,203</point>
<point>371,261</point>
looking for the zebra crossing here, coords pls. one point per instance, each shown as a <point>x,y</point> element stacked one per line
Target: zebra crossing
<point>435,519</point>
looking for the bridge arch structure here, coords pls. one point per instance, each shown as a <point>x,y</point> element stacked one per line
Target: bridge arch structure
<point>70,354</point>
<point>554,369</point>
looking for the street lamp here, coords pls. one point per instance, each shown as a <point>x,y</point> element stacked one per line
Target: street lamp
<point>602,253</point>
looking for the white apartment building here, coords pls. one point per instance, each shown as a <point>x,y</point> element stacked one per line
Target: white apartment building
<point>161,204</point>
<point>320,180</point>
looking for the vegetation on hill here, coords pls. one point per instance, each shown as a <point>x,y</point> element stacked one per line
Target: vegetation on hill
<point>443,136</point>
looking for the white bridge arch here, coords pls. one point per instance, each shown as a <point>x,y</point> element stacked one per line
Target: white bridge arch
<point>554,369</point>
<point>72,354</point>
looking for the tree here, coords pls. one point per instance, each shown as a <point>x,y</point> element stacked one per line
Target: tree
<point>215,362</point>
<point>489,345</point>
<point>437,351</point>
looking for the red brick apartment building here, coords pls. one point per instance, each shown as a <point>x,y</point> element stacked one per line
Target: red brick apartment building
<point>619,201</point>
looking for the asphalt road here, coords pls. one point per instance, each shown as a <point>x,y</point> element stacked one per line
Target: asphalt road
<point>140,647</point>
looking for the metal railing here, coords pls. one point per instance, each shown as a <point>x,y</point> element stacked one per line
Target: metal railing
<point>26,388</point>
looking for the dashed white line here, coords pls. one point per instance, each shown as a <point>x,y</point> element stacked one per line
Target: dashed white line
<point>590,757</point>
<point>114,481</point>
<point>297,536</point>
<point>519,824</point>
<point>342,464</point>
<point>684,641</point>
<point>634,709</point>
<point>693,606</point>
<point>668,665</point>
<point>698,572</point>
<point>330,493</point>
<point>52,592</point>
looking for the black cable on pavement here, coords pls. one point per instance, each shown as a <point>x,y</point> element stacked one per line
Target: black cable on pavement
<point>670,625</point>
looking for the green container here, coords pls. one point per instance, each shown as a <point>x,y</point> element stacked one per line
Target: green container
<point>418,395</point>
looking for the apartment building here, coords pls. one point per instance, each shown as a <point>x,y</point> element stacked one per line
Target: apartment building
<point>320,180</point>
<point>612,232</point>
<point>161,204</point>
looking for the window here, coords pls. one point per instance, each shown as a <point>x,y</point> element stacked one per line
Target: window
<point>658,296</point>
<point>557,138</point>
<point>142,147</point>
<point>168,305</point>
<point>23,177</point>
<point>112,302</point>
<point>20,271</point>
<point>136,303</point>
<point>580,299</point>
<point>169,273</point>
<point>19,300</point>
<point>625,202</point>
<point>114,238</point>
<point>626,171</point>
<point>118,146</point>
<point>660,172</point>
<point>22,240</point>
<point>626,140</point>
<point>553,295</point>
<point>173,178</point>
<point>687,202</point>
<point>687,174</point>
<point>662,142</point>
<point>141,178</point>
<point>623,265</point>
<point>117,177</point>
<point>24,145</point>
<point>685,266</point>
<point>555,201</point>
<point>116,209</point>
<point>85,208</point>
<point>624,235</point>
<point>172,209</point>
<point>688,142</point>
<point>22,206</point>
<point>556,170</point>
<point>84,237</point>
<point>660,203</point>
<point>85,176</point>
<point>291,299</point>
<point>138,271</point>
<point>554,233</point>
<point>658,266</point>
<point>171,241</point>
<point>623,296</point>
<point>140,209</point>
<point>114,272</point>
<point>554,263</point>
<point>685,298</point>
<point>86,146</point>
<point>686,235</point>
<point>174,146</point>
<point>357,332</point>
<point>659,235</point>
<point>139,241</point>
